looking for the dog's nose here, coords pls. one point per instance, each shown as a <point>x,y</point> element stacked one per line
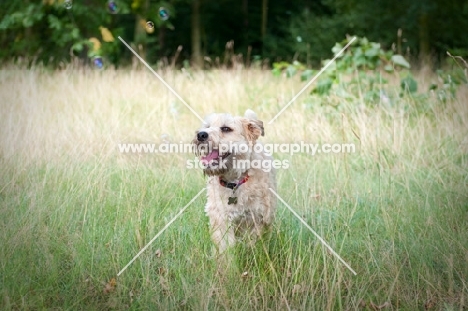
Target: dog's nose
<point>202,136</point>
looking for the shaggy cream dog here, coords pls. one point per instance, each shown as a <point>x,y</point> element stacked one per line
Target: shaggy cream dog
<point>239,201</point>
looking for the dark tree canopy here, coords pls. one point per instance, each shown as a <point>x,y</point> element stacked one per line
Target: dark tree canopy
<point>204,30</point>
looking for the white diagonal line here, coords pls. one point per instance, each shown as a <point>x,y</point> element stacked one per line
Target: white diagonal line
<point>312,230</point>
<point>162,80</point>
<point>160,232</point>
<point>313,80</point>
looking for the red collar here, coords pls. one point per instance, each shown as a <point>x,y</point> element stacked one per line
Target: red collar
<point>233,185</point>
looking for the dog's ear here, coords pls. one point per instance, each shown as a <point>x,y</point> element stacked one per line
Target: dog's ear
<point>260,125</point>
<point>252,116</point>
<point>249,114</point>
<point>253,129</point>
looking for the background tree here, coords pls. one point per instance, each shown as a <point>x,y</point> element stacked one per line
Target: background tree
<point>197,59</point>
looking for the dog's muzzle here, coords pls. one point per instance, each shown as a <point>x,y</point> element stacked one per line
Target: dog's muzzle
<point>213,162</point>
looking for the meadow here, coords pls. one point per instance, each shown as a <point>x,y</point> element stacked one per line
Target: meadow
<point>74,210</point>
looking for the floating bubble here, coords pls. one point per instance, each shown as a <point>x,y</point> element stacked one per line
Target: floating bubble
<point>163,14</point>
<point>149,25</point>
<point>166,138</point>
<point>112,7</point>
<point>98,63</point>
<point>68,4</point>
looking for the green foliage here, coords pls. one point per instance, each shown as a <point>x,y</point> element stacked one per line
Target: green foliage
<point>307,74</point>
<point>448,83</point>
<point>50,32</point>
<point>363,60</point>
<point>361,55</point>
<point>408,83</point>
<point>324,86</point>
<point>362,71</point>
<point>366,55</point>
<point>26,18</point>
<point>289,69</point>
<point>400,61</point>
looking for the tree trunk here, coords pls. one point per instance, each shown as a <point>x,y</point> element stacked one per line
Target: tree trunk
<point>424,44</point>
<point>140,36</point>
<point>245,12</point>
<point>140,33</point>
<point>197,60</point>
<point>264,22</point>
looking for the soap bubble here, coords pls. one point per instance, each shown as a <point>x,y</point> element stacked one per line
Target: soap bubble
<point>149,25</point>
<point>68,4</point>
<point>98,63</point>
<point>112,7</point>
<point>163,14</point>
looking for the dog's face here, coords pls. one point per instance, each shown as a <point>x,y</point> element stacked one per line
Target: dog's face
<point>223,139</point>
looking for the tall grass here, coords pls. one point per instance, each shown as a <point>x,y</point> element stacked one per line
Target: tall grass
<point>74,211</point>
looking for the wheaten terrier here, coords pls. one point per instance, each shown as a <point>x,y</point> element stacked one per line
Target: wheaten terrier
<point>239,201</point>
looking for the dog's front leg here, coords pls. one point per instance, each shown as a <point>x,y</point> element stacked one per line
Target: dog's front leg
<point>222,233</point>
<point>224,237</point>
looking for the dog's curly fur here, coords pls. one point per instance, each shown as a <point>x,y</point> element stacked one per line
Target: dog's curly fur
<point>255,208</point>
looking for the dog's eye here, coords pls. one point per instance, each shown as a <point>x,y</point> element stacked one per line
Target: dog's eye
<point>226,129</point>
